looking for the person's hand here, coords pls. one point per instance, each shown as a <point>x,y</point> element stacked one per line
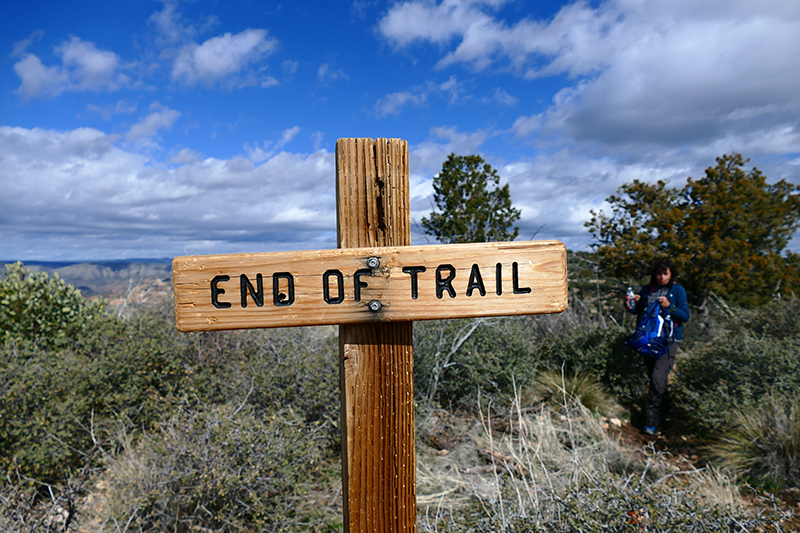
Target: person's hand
<point>663,301</point>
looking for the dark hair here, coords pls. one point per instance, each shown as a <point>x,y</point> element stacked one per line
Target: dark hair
<point>661,265</point>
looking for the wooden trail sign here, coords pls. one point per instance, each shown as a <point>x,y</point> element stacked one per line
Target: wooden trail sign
<point>374,285</point>
<point>356,285</point>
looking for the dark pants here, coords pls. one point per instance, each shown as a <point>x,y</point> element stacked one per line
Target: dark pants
<point>658,401</point>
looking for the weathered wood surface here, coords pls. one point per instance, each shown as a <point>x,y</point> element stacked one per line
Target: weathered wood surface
<point>337,286</point>
<point>376,359</point>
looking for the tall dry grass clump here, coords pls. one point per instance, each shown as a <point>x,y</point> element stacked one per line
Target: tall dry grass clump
<point>763,446</point>
<point>557,468</point>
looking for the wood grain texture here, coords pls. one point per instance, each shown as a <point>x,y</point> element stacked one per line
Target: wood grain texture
<point>376,373</point>
<point>319,298</point>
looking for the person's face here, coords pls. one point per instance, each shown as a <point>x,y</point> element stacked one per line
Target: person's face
<point>663,277</point>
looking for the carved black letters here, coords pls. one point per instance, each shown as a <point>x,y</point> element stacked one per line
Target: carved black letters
<point>447,279</point>
<point>257,293</point>
<point>326,287</point>
<point>279,298</point>
<point>515,280</point>
<point>216,291</point>
<point>414,285</point>
<point>445,284</point>
<point>475,281</point>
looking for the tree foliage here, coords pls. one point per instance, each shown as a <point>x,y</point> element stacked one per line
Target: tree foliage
<point>725,231</point>
<point>473,206</point>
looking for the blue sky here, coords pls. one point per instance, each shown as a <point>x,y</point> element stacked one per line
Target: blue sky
<point>137,128</point>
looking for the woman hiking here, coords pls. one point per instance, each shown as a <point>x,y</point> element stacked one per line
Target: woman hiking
<point>671,298</point>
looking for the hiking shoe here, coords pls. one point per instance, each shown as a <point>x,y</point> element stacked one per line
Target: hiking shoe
<point>650,430</point>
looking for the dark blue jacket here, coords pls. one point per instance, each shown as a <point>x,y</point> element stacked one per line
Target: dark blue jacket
<point>678,306</point>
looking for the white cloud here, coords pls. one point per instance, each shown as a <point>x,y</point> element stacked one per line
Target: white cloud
<point>170,27</point>
<point>83,68</point>
<point>646,73</point>
<point>92,69</point>
<point>502,97</point>
<point>39,80</point>
<point>160,118</point>
<point>287,136</point>
<point>106,112</point>
<point>429,155</point>
<point>392,103</point>
<point>258,152</point>
<point>222,56</point>
<point>20,47</point>
<point>78,185</point>
<point>327,73</point>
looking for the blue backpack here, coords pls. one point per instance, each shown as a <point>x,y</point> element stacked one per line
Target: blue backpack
<point>652,335</point>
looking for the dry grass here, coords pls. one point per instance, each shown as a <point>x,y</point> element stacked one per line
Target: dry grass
<point>558,469</point>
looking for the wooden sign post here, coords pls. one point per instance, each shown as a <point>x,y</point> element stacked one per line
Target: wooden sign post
<point>374,285</point>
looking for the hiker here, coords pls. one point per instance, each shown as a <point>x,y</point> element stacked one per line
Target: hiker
<point>672,299</point>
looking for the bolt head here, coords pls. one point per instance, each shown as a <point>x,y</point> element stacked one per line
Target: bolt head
<point>374,306</point>
<point>373,262</point>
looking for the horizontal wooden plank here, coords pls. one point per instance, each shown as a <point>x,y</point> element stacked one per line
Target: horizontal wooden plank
<point>342,286</point>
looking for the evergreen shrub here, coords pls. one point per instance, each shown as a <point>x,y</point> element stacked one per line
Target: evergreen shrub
<point>44,310</point>
<point>735,374</point>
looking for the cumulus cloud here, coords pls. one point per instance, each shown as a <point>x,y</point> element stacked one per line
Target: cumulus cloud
<point>170,25</point>
<point>222,56</point>
<point>39,80</point>
<point>79,186</point>
<point>83,67</point>
<point>647,74</point>
<point>108,111</point>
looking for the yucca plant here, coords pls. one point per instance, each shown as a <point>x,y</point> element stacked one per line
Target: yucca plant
<point>763,447</point>
<point>554,388</point>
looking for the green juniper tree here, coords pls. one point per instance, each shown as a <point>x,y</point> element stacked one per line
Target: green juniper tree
<point>472,205</point>
<point>727,231</point>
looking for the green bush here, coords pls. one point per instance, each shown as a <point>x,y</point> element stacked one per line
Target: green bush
<point>779,320</point>
<point>456,360</point>
<point>224,468</point>
<point>47,311</point>
<point>295,367</point>
<point>69,370</point>
<point>55,403</point>
<point>752,357</point>
<point>557,390</point>
<point>734,374</point>
<point>600,352</point>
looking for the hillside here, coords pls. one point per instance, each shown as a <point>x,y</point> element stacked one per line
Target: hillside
<point>118,281</point>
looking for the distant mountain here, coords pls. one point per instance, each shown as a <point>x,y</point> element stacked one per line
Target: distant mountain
<point>107,278</point>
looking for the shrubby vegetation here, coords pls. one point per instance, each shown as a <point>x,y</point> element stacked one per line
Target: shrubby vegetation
<point>239,431</point>
<point>75,379</point>
<point>43,311</point>
<point>222,468</point>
